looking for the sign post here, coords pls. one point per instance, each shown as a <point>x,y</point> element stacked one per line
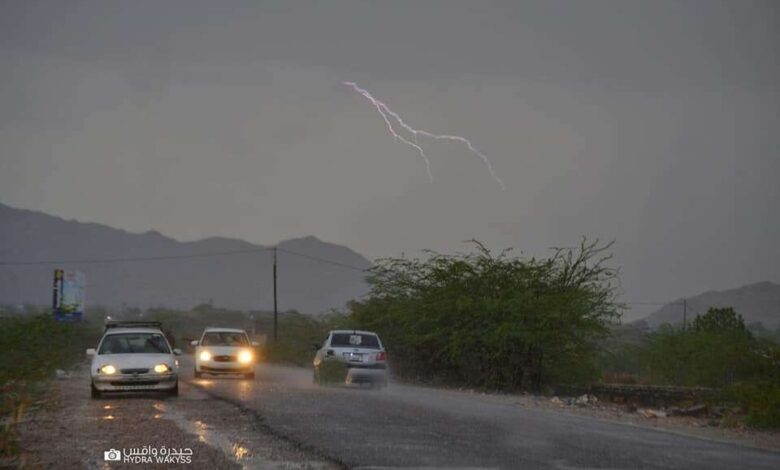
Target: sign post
<point>68,295</point>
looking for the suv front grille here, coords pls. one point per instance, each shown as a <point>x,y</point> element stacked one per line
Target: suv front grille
<point>134,371</point>
<point>224,358</point>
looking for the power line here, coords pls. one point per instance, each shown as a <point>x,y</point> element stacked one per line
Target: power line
<point>322,260</point>
<point>233,252</point>
<point>130,259</point>
<point>175,257</point>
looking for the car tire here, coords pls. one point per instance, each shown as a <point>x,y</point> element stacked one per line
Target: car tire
<point>94,392</point>
<point>316,377</point>
<point>174,392</point>
<point>197,374</point>
<point>250,376</point>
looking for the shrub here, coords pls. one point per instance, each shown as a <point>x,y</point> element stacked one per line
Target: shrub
<point>493,321</point>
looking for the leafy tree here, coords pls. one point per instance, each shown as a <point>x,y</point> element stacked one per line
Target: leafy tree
<point>719,321</point>
<point>493,321</point>
<point>717,350</point>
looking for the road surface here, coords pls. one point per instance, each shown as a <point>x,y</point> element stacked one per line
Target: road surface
<point>415,427</point>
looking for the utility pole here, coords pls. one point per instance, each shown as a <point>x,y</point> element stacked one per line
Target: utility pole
<point>685,314</point>
<point>276,313</point>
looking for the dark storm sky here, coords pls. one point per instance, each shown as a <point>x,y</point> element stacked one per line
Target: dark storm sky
<point>653,123</point>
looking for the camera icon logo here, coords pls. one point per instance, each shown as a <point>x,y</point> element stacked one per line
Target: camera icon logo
<point>112,455</point>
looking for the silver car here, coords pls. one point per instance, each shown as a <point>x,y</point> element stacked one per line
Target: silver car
<point>359,355</point>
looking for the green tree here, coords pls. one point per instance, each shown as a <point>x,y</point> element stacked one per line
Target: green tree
<point>719,321</point>
<point>493,321</point>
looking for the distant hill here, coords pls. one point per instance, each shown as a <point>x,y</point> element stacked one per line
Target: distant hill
<point>242,280</point>
<point>755,302</point>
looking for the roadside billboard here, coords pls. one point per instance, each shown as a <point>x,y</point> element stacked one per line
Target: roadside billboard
<point>68,295</point>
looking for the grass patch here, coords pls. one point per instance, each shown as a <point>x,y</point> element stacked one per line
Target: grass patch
<point>32,349</point>
<point>298,333</point>
<point>759,400</point>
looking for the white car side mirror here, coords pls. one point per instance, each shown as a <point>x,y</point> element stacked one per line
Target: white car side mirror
<point>177,351</point>
<point>194,342</point>
<point>255,344</point>
<point>91,352</point>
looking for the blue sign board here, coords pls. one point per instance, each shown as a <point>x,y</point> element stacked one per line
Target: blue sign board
<point>68,295</point>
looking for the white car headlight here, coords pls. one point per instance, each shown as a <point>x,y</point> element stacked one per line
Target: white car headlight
<point>245,357</point>
<point>108,369</point>
<point>161,368</point>
<point>205,356</point>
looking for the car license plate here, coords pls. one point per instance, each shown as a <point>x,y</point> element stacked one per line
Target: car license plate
<point>354,357</point>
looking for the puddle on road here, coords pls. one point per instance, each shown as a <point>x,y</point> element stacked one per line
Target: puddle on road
<point>243,445</point>
<point>209,436</point>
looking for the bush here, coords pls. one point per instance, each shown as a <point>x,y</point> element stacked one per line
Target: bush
<point>32,348</point>
<point>492,321</point>
<point>716,351</point>
<point>298,333</point>
<point>760,400</point>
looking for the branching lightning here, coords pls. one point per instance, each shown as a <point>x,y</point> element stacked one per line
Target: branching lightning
<point>385,111</point>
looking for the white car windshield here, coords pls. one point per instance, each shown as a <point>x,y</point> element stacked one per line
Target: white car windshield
<point>224,338</point>
<point>130,343</point>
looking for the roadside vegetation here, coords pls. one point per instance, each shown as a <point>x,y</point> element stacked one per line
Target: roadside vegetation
<point>717,350</point>
<point>493,321</point>
<point>299,334</point>
<point>481,320</point>
<point>507,323</point>
<point>33,347</point>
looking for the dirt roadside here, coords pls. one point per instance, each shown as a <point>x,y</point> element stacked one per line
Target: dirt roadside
<point>74,431</point>
<point>701,427</point>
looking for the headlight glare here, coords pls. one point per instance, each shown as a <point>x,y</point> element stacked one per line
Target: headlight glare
<point>205,356</point>
<point>108,369</point>
<point>245,357</point>
<point>161,368</point>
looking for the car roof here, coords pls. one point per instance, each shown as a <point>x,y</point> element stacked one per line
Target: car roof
<point>226,330</point>
<point>114,331</point>
<point>355,332</point>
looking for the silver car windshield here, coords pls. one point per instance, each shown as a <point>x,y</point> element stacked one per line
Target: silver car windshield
<point>131,343</point>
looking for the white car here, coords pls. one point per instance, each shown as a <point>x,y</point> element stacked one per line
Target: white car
<point>224,351</point>
<point>360,352</point>
<point>134,356</point>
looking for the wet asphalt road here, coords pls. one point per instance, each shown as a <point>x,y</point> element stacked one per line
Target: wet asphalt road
<point>405,426</point>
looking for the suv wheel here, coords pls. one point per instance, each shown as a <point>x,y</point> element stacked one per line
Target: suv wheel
<point>174,392</point>
<point>198,374</point>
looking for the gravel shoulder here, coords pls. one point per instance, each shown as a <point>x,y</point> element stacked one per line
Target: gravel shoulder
<point>704,427</point>
<point>72,431</point>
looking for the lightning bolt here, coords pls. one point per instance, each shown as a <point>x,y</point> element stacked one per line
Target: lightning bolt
<point>384,111</point>
<point>380,107</point>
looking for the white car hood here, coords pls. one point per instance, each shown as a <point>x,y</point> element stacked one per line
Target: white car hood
<point>224,350</point>
<point>133,361</point>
